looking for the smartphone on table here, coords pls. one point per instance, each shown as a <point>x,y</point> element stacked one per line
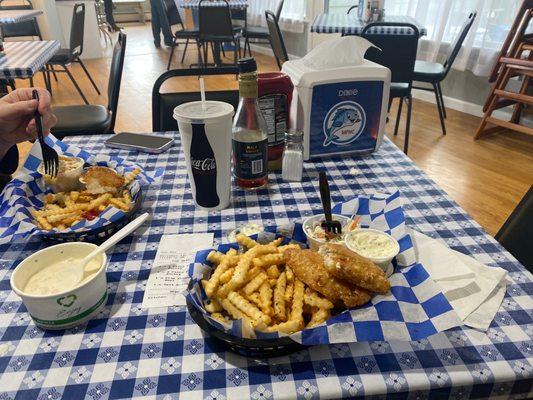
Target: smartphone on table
<point>140,142</point>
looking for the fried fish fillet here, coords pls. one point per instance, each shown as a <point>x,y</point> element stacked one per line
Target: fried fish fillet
<point>351,267</point>
<point>308,266</point>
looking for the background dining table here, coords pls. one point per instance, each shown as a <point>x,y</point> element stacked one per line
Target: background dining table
<point>131,352</point>
<point>350,24</point>
<point>16,16</point>
<point>194,4</point>
<point>25,58</point>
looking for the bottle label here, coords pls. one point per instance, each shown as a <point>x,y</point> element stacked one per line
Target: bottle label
<point>203,168</point>
<point>274,109</point>
<point>250,159</point>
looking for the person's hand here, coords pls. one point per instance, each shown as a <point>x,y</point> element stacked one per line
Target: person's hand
<point>16,116</point>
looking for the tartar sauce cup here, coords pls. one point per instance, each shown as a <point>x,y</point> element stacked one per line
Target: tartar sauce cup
<point>314,242</point>
<point>382,261</point>
<point>67,308</point>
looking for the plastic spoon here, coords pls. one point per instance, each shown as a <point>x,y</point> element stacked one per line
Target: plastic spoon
<point>117,237</point>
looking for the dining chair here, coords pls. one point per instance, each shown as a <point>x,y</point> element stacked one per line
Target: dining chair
<point>259,32</point>
<point>103,26</point>
<point>434,73</point>
<point>94,119</point>
<point>173,17</point>
<point>72,54</point>
<point>28,28</point>
<point>276,39</point>
<point>516,233</point>
<point>163,104</point>
<point>396,51</point>
<point>216,28</point>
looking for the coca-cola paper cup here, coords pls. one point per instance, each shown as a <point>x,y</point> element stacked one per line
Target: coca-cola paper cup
<point>206,139</point>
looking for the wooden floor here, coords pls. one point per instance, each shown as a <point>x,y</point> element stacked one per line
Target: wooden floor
<point>487,177</point>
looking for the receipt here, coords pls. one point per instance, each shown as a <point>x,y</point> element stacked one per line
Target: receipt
<point>169,276</point>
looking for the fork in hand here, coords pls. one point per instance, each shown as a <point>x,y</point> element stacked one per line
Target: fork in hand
<point>329,225</point>
<point>50,157</point>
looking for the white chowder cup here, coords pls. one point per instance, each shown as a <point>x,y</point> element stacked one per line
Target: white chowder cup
<point>67,308</point>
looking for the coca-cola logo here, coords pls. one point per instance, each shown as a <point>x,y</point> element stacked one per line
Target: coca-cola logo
<point>204,164</point>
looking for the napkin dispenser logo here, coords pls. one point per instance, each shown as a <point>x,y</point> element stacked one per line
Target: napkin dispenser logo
<point>344,123</point>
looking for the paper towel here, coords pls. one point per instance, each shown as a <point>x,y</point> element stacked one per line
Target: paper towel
<point>339,52</point>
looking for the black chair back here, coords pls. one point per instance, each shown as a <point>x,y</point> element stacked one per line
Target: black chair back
<point>455,47</point>
<point>276,38</point>
<point>352,8</point>
<point>115,77</point>
<point>163,104</point>
<point>25,28</point>
<point>279,9</point>
<point>214,20</point>
<point>398,49</point>
<point>516,233</point>
<point>171,13</point>
<point>76,29</point>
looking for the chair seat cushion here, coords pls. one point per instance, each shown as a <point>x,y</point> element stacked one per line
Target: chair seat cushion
<point>187,33</point>
<point>399,89</point>
<point>83,119</point>
<point>256,32</point>
<point>426,71</point>
<point>62,56</point>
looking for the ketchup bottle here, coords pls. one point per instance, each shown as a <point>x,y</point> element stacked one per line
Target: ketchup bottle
<point>275,95</point>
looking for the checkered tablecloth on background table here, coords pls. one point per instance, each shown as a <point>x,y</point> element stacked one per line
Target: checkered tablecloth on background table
<point>16,16</point>
<point>23,59</point>
<point>128,351</point>
<point>240,4</point>
<point>349,24</point>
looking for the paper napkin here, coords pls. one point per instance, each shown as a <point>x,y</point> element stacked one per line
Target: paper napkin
<point>474,290</point>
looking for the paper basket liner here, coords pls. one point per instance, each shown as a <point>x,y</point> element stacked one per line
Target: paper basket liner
<point>26,191</point>
<point>414,309</point>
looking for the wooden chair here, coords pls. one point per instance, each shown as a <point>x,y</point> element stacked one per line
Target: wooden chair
<point>515,60</point>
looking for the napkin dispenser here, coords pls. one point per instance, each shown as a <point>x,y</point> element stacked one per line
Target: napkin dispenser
<point>341,110</point>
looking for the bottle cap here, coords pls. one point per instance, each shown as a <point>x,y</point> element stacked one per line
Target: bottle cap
<point>247,64</point>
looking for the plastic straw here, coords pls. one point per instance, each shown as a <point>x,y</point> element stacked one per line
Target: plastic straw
<point>202,92</point>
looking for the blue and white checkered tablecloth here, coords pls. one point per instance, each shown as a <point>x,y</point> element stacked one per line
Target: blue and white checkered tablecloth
<point>161,354</point>
<point>16,16</point>
<point>23,59</point>
<point>349,24</point>
<point>238,4</point>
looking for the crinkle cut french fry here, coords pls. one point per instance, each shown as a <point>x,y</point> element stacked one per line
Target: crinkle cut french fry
<point>118,203</point>
<point>100,200</point>
<point>254,298</point>
<point>74,195</point>
<point>248,308</point>
<point>290,274</point>
<point>288,291</point>
<point>233,311</point>
<point>318,317</point>
<point>255,283</point>
<point>226,276</point>
<point>213,282</point>
<point>273,272</point>
<point>215,257</point>
<point>44,223</point>
<point>313,299</point>
<point>269,259</point>
<point>297,301</point>
<point>245,241</point>
<point>130,176</point>
<point>219,317</point>
<point>288,327</point>
<point>282,249</point>
<point>276,242</point>
<point>265,295</point>
<point>56,218</point>
<point>279,297</point>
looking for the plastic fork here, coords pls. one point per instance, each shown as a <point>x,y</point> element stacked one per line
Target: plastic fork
<point>50,157</point>
<point>329,225</point>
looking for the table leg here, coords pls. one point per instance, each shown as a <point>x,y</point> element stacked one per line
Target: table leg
<point>216,53</point>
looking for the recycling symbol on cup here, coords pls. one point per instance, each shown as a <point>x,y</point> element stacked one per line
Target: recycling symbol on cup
<point>67,301</point>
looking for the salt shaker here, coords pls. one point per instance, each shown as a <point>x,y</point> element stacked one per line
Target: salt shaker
<point>292,164</point>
